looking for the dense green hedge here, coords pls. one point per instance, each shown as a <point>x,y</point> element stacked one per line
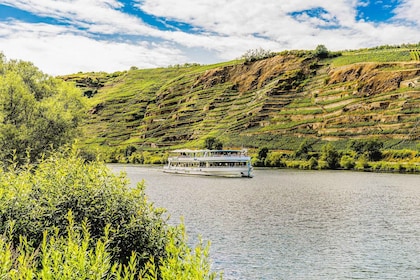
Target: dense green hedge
<point>68,216</point>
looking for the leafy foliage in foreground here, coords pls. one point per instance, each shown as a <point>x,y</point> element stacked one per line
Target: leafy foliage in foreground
<point>37,200</point>
<point>79,220</point>
<point>77,256</point>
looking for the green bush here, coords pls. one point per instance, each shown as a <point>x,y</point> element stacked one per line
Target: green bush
<point>68,219</point>
<point>303,151</point>
<point>38,199</point>
<point>312,163</point>
<point>212,143</point>
<point>330,156</point>
<point>347,162</point>
<point>274,159</point>
<point>77,256</point>
<point>404,154</point>
<point>294,164</point>
<point>182,262</point>
<point>371,148</point>
<point>321,51</point>
<point>260,159</point>
<point>257,54</point>
<point>362,163</point>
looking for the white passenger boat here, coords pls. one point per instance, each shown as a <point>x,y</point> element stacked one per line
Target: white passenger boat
<point>226,163</point>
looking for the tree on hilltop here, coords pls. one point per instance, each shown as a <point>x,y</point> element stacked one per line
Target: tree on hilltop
<point>257,54</point>
<point>321,51</point>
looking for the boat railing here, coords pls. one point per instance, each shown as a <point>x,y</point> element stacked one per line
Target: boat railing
<point>209,153</point>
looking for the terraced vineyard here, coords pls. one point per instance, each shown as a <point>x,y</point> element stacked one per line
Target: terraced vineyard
<point>277,102</point>
<point>415,54</point>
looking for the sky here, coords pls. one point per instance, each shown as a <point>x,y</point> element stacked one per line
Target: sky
<point>69,36</point>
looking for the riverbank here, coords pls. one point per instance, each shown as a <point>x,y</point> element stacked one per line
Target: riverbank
<point>360,155</point>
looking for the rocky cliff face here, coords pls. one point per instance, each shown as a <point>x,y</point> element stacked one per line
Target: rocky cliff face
<point>283,95</point>
<point>373,78</point>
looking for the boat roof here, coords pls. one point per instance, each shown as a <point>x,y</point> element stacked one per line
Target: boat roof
<point>206,150</point>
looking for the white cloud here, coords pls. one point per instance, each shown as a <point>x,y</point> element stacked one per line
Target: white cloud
<point>222,30</point>
<point>235,17</point>
<point>56,50</point>
<point>409,11</point>
<point>94,15</point>
<point>250,21</point>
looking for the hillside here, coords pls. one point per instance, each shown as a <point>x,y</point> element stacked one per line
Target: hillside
<point>277,102</point>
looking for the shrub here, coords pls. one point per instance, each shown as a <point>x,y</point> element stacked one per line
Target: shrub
<point>371,148</point>
<point>136,158</point>
<point>293,164</point>
<point>211,143</point>
<point>347,162</point>
<point>274,159</point>
<point>399,154</point>
<point>260,160</point>
<point>257,54</point>
<point>321,51</point>
<point>182,262</point>
<point>330,156</point>
<point>302,152</point>
<point>312,163</point>
<point>38,199</point>
<point>77,256</point>
<point>68,219</point>
<point>362,163</point>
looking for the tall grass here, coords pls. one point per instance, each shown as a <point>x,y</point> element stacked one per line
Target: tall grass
<point>76,256</point>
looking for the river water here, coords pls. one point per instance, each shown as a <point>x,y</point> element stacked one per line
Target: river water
<point>285,224</point>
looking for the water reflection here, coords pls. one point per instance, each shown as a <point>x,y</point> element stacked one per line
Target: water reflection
<point>286,224</point>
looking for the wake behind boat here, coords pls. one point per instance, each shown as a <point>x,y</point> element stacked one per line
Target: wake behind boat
<point>225,163</point>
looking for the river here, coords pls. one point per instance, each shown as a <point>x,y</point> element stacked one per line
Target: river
<point>290,224</point>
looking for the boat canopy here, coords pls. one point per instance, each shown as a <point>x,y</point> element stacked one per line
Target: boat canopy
<point>204,150</point>
<point>188,151</point>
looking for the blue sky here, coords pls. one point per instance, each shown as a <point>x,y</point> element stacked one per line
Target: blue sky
<point>68,36</point>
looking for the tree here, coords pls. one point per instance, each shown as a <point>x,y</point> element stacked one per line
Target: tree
<point>321,51</point>
<point>371,148</point>
<point>330,155</point>
<point>347,162</point>
<point>262,153</point>
<point>211,143</point>
<point>257,54</point>
<point>261,157</point>
<point>312,163</point>
<point>38,113</point>
<point>303,150</point>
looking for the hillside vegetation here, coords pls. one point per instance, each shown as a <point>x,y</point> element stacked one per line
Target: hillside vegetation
<point>277,102</point>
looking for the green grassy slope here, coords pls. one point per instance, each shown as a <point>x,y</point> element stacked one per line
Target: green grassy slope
<point>276,102</point>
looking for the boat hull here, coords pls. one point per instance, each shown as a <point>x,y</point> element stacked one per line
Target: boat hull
<point>219,172</point>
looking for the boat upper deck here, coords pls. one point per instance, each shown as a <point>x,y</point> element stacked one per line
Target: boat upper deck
<point>213,155</point>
